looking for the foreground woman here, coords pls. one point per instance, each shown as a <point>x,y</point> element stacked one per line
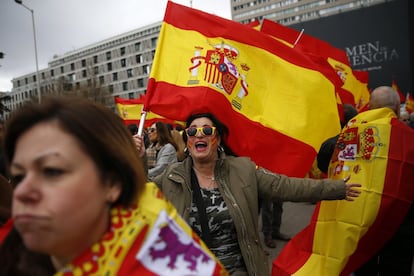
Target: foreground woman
<point>81,205</point>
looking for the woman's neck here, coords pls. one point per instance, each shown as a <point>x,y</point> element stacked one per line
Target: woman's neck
<point>205,175</point>
<point>205,168</point>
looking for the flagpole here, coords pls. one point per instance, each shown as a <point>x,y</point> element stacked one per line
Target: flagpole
<point>141,123</point>
<point>297,39</point>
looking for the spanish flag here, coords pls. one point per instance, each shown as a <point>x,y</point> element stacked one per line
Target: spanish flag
<point>130,112</point>
<point>376,149</point>
<point>278,108</point>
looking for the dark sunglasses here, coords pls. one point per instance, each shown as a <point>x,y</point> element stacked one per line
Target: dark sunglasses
<point>151,130</point>
<point>205,131</point>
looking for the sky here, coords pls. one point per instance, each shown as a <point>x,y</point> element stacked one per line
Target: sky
<point>63,26</point>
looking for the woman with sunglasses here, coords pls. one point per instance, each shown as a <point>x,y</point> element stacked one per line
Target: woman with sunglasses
<point>218,195</point>
<point>162,149</point>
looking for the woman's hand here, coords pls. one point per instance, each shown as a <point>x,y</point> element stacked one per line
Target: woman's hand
<point>139,144</point>
<point>351,192</point>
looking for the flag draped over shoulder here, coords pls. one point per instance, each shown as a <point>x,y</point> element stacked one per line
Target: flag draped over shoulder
<point>130,112</point>
<point>269,96</point>
<point>376,149</point>
<point>148,239</point>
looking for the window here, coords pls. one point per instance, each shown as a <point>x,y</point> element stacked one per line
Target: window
<point>95,59</point>
<point>109,66</point>
<point>125,86</point>
<point>111,88</point>
<point>83,62</point>
<point>34,78</point>
<point>122,50</point>
<point>72,77</point>
<point>108,55</point>
<point>43,75</point>
<point>123,62</point>
<point>101,79</point>
<point>129,73</point>
<point>62,69</point>
<point>72,66</point>
<point>138,46</point>
<point>52,72</point>
<point>154,42</point>
<point>140,82</point>
<point>84,73</point>
<point>95,70</point>
<point>25,80</point>
<point>138,58</point>
<point>115,76</point>
<point>146,69</point>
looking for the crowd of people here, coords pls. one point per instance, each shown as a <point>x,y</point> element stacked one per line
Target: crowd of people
<point>62,153</point>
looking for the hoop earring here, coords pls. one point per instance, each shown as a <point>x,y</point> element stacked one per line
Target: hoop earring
<point>220,148</point>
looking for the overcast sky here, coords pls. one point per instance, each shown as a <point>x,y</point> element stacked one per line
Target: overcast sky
<point>63,26</point>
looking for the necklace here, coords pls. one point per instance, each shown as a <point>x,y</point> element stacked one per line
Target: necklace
<point>211,185</point>
<point>211,178</point>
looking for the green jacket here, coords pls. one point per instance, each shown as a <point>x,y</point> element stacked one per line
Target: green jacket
<point>242,184</point>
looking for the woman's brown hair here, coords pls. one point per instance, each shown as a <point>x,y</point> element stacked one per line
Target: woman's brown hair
<point>99,131</point>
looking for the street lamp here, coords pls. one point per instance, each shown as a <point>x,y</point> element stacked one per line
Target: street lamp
<point>20,2</point>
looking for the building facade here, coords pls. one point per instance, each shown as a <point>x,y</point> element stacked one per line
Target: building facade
<point>287,12</point>
<point>120,64</point>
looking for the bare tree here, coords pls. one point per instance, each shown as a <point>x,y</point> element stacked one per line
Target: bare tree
<point>90,89</point>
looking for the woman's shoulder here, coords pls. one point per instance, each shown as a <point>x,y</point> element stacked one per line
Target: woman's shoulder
<point>243,162</point>
<point>168,146</point>
<point>175,167</point>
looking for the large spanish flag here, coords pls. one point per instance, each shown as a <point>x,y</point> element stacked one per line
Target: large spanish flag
<point>376,149</point>
<point>352,91</point>
<point>130,111</point>
<point>278,108</point>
